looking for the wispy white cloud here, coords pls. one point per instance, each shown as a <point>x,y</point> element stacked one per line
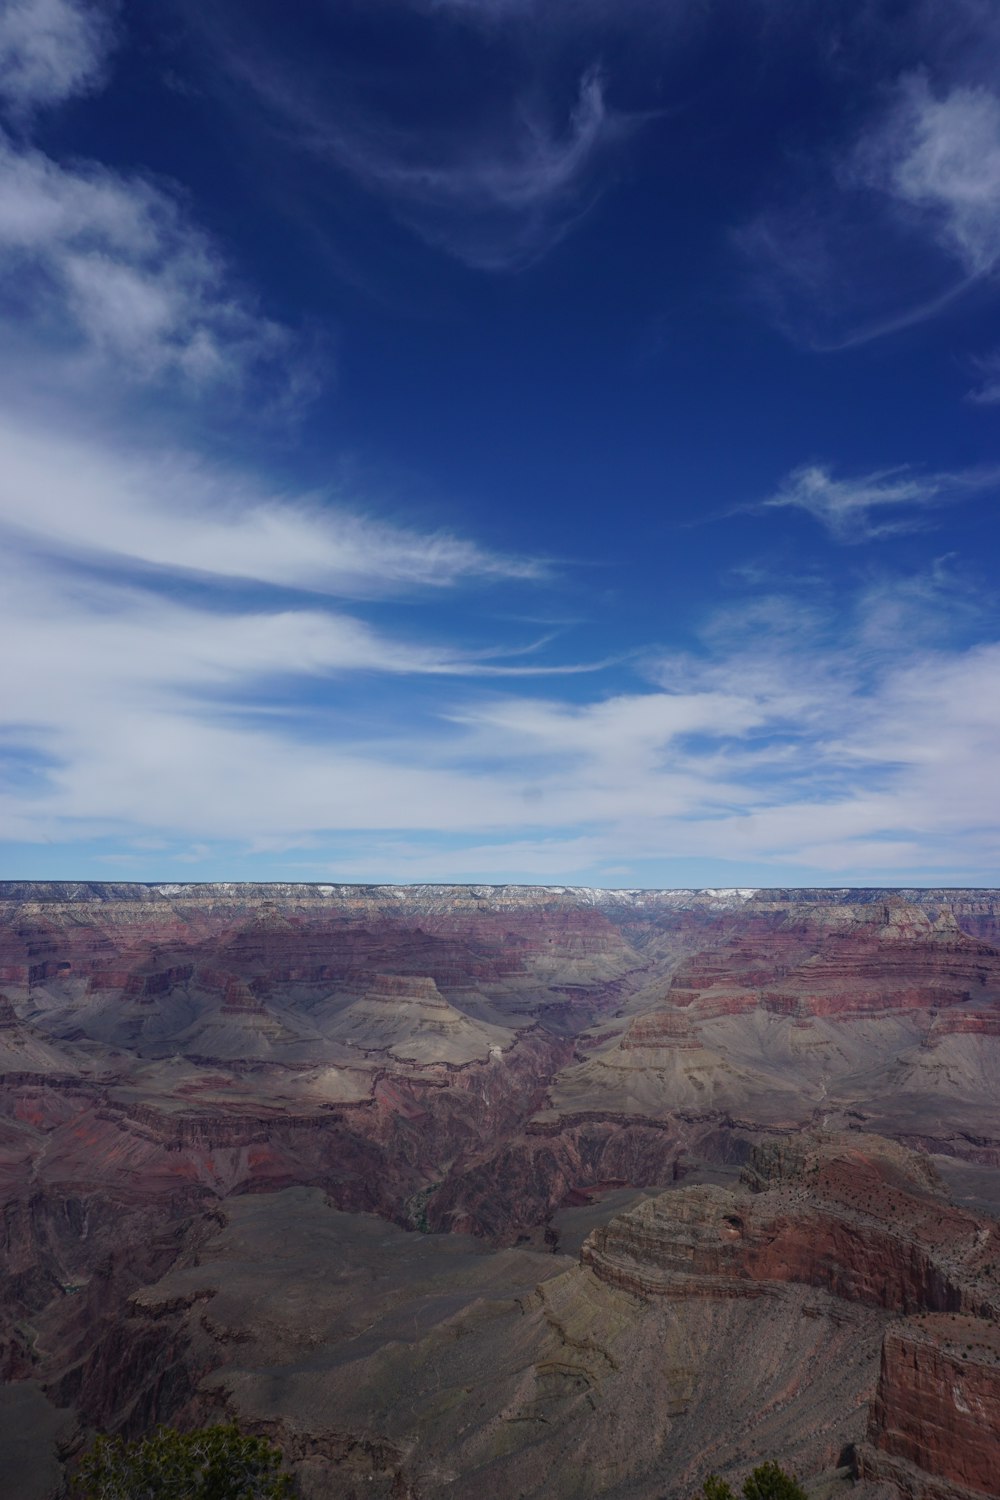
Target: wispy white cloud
<point>143,679</point>
<point>50,50</point>
<point>107,273</point>
<point>918,189</point>
<point>570,17</point>
<point>538,165</point>
<point>79,497</point>
<point>496,189</point>
<point>987,392</point>
<point>501,205</point>
<point>127,703</point>
<point>123,643</point>
<point>878,504</point>
<point>483,10</point>
<point>856,747</point>
<point>935,609</point>
<point>136,712</point>
<point>620,734</point>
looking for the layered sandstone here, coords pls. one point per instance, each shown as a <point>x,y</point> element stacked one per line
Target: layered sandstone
<point>856,1219</point>
<point>935,1420</point>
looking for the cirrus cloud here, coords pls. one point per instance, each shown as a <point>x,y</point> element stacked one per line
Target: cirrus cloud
<point>880,504</point>
<point>169,510</point>
<point>497,198</point>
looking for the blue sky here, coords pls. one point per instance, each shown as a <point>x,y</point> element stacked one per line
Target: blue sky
<point>536,440</point>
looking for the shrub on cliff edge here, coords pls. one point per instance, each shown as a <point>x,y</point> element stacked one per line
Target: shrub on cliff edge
<point>767,1482</point>
<point>215,1463</point>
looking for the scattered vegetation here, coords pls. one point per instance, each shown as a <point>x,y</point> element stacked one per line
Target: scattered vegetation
<point>767,1482</point>
<point>214,1463</point>
<point>417,1206</point>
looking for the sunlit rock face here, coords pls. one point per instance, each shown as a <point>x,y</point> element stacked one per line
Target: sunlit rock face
<point>484,1064</point>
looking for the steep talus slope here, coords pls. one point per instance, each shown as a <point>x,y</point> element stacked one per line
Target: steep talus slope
<point>388,1366</point>
<point>859,1217</point>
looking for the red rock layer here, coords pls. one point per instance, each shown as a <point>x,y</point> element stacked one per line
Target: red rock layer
<point>936,1414</point>
<point>837,1218</point>
<point>841,961</point>
<point>865,1224</point>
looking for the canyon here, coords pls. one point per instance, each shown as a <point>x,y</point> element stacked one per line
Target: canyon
<point>561,1191</point>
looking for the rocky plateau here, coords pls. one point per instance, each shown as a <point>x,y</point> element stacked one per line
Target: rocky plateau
<point>558,1192</point>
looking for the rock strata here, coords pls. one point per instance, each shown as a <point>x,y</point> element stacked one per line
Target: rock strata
<point>935,1420</point>
<point>857,1221</point>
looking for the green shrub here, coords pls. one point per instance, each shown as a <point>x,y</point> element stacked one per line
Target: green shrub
<point>715,1488</point>
<point>215,1463</point>
<point>767,1482</point>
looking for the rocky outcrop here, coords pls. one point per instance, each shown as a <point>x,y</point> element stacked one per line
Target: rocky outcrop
<point>660,1028</point>
<point>866,1225</point>
<point>837,1217</point>
<point>935,1420</point>
<point>145,985</point>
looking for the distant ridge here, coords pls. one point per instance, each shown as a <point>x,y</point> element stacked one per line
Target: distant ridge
<point>501,894</point>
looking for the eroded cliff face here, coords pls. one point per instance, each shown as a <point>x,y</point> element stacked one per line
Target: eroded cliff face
<point>859,1219</point>
<point>869,1225</point>
<point>475,1060</point>
<point>935,1421</point>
